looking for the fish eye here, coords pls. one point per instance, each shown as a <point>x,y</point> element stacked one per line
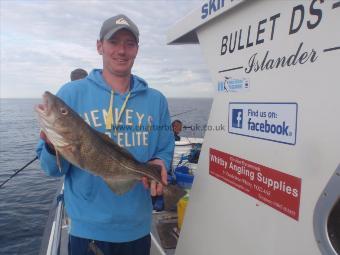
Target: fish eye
<point>63,111</point>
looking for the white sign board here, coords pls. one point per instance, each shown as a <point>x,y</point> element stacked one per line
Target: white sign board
<point>268,182</point>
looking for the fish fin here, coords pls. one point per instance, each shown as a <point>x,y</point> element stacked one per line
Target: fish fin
<point>119,187</point>
<point>172,194</point>
<point>58,158</point>
<point>152,171</point>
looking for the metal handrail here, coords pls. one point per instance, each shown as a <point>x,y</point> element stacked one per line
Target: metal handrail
<point>53,229</point>
<point>54,241</point>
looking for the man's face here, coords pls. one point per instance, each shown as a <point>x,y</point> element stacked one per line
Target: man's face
<point>177,127</point>
<point>118,53</point>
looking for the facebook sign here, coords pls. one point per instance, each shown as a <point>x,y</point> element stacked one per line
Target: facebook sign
<point>237,118</point>
<point>272,121</point>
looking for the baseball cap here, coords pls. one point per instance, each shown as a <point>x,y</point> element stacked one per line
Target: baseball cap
<point>118,22</point>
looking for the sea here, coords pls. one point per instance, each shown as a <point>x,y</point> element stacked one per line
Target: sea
<point>26,199</point>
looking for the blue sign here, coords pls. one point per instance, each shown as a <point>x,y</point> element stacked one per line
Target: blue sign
<point>211,7</point>
<point>237,118</point>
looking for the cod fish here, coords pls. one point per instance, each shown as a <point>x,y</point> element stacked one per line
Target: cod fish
<point>95,152</point>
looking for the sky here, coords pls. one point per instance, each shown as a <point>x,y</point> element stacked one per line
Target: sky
<point>43,41</point>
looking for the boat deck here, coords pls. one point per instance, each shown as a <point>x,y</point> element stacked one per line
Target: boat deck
<point>163,224</point>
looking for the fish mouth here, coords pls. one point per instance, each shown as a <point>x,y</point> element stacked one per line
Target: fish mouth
<point>47,120</point>
<point>44,113</point>
<point>43,108</point>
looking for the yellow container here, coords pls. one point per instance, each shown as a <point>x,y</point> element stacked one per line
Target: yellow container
<point>181,206</point>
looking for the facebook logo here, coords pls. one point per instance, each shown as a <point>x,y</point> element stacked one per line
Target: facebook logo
<point>237,118</point>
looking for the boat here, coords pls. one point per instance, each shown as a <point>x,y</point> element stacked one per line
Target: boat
<point>272,191</point>
<point>55,237</point>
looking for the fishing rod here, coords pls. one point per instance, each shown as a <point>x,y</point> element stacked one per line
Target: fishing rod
<point>18,171</point>
<point>183,112</point>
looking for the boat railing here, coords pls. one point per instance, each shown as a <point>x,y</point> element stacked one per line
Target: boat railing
<point>52,233</point>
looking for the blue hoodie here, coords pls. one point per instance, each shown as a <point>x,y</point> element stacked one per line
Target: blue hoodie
<point>144,129</point>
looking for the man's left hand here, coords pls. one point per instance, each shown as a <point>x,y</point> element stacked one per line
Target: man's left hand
<point>156,189</point>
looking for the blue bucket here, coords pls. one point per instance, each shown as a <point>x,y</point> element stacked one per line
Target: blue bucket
<point>182,169</point>
<point>183,178</point>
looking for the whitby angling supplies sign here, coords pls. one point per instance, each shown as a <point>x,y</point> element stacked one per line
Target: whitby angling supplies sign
<point>279,190</point>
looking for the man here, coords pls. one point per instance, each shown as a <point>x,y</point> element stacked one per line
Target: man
<point>121,105</point>
<point>177,128</point>
<point>78,74</point>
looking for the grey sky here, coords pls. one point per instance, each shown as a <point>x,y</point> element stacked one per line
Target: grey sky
<point>43,41</point>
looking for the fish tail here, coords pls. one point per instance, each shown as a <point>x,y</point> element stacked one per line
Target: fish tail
<point>172,194</point>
